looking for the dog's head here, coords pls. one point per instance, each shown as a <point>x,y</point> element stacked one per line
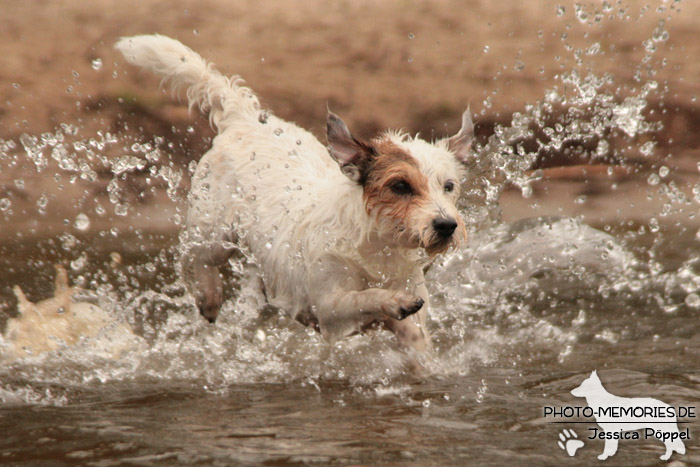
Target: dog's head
<point>591,386</point>
<point>410,186</point>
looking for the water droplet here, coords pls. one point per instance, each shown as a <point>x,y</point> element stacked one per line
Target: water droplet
<point>654,225</point>
<point>298,142</point>
<point>278,131</point>
<point>649,47</point>
<point>486,49</point>
<point>561,9</point>
<point>692,300</point>
<point>581,14</point>
<point>5,204</point>
<point>82,222</point>
<point>664,171</point>
<point>659,34</point>
<point>647,148</point>
<point>121,210</point>
<point>41,203</point>
<point>602,149</point>
<point>411,35</point>
<point>593,49</point>
<point>653,179</point>
<point>97,64</point>
<point>79,263</point>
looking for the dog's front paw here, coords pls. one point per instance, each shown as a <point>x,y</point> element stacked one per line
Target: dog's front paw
<point>402,305</point>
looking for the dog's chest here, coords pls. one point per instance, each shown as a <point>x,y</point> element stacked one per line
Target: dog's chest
<point>387,269</point>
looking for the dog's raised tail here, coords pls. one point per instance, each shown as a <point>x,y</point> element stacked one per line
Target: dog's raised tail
<point>224,98</point>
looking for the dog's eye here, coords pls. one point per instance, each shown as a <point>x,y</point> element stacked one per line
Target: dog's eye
<point>401,187</point>
<point>449,186</point>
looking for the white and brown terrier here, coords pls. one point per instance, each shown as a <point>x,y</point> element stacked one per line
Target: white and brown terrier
<point>342,233</point>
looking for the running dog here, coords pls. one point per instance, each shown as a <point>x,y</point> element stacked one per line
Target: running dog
<point>341,233</point>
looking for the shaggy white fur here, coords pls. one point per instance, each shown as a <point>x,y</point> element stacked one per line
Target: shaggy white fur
<point>342,234</point>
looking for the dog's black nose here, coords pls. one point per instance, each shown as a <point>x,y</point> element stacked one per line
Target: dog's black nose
<point>444,226</point>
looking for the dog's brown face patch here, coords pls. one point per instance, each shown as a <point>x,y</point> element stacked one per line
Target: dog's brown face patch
<point>412,202</point>
<point>395,189</point>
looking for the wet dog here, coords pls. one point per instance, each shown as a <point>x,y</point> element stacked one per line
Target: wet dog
<point>342,233</point>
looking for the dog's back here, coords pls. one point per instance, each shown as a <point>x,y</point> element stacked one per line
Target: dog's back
<point>253,154</point>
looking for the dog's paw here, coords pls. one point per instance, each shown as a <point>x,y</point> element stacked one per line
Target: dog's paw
<point>402,305</point>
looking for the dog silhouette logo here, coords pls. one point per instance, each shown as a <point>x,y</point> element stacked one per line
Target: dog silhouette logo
<point>622,418</point>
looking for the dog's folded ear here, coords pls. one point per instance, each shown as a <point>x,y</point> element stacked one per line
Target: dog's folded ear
<point>461,143</point>
<point>352,155</point>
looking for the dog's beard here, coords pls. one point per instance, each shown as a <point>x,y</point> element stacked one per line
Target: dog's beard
<point>438,245</point>
<point>432,243</point>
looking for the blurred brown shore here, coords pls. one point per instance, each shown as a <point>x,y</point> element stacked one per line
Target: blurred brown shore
<point>379,64</point>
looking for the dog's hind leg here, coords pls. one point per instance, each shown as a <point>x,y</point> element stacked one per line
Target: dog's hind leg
<point>201,267</point>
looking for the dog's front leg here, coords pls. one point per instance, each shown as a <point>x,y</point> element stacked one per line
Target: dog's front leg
<point>344,312</point>
<point>409,335</point>
<point>412,332</point>
<point>209,293</point>
<point>203,276</point>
